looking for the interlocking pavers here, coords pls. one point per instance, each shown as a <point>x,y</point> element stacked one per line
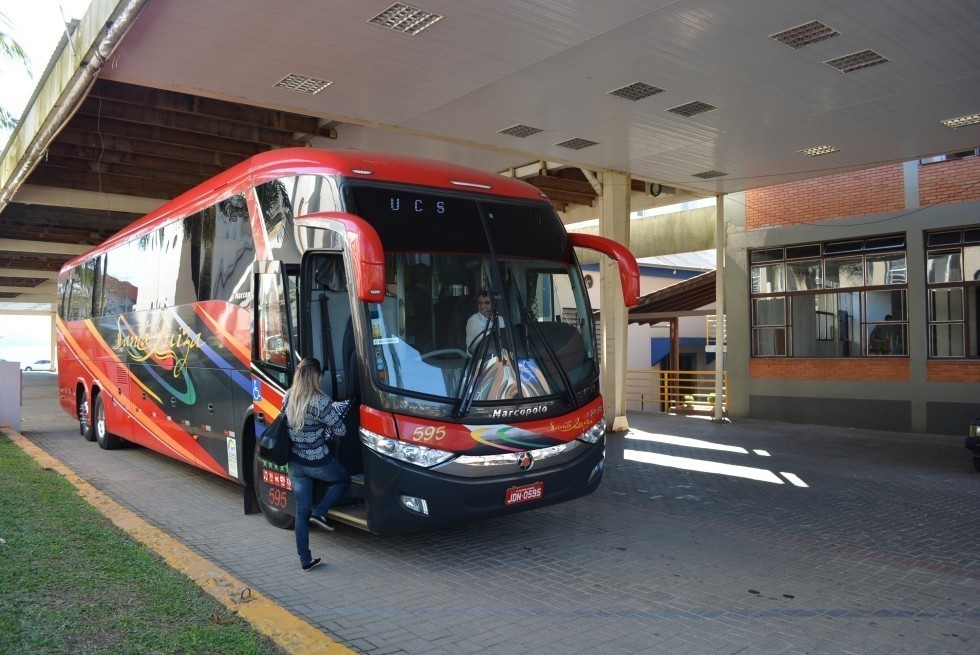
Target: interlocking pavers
<point>876,554</point>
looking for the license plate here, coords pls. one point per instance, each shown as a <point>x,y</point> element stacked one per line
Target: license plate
<point>524,493</point>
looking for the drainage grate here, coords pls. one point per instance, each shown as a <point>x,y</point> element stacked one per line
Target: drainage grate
<point>520,131</point>
<point>707,175</point>
<point>692,109</point>
<point>856,61</point>
<point>576,144</point>
<point>816,151</point>
<point>406,18</point>
<point>303,84</point>
<point>804,35</point>
<point>636,91</point>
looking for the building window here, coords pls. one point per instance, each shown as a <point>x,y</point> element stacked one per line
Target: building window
<point>953,293</point>
<point>834,299</point>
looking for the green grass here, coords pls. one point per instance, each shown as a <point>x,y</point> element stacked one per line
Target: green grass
<point>71,582</point>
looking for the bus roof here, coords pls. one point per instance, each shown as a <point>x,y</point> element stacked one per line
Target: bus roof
<point>351,164</point>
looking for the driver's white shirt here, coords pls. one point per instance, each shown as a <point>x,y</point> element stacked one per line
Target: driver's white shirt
<point>475,326</point>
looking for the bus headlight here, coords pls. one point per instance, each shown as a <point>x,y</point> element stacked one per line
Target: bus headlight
<point>593,434</point>
<point>406,452</point>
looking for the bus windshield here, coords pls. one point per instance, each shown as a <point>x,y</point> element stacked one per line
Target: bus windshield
<point>493,309</point>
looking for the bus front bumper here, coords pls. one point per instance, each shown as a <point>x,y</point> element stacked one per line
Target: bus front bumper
<point>406,498</point>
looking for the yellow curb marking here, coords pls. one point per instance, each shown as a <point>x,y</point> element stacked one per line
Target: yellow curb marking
<point>288,631</point>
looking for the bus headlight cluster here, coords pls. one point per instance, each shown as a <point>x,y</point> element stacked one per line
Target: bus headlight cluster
<point>593,434</point>
<point>406,452</point>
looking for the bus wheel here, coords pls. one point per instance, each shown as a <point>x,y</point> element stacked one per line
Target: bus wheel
<point>277,504</point>
<point>106,441</point>
<point>84,422</point>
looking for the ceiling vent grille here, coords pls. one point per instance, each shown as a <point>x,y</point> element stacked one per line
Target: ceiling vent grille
<point>303,84</point>
<point>692,109</point>
<point>707,175</point>
<point>816,151</point>
<point>520,131</point>
<point>804,35</point>
<point>636,91</point>
<point>576,144</point>
<point>406,18</point>
<point>962,121</point>
<point>856,61</point>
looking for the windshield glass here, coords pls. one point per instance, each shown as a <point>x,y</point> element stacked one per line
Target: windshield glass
<point>474,320</point>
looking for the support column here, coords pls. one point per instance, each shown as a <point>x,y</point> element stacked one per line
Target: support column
<point>719,304</point>
<point>614,223</point>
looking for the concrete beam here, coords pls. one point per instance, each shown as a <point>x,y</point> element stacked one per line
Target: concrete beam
<point>28,273</point>
<point>32,194</point>
<point>33,298</point>
<point>47,287</point>
<point>23,245</point>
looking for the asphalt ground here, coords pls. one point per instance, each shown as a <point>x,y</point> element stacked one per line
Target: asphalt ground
<point>742,537</point>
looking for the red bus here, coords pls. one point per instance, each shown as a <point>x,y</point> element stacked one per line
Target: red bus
<point>182,331</point>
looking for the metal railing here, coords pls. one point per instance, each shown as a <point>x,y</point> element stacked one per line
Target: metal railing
<point>691,392</point>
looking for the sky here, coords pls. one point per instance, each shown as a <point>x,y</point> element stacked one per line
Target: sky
<point>36,25</point>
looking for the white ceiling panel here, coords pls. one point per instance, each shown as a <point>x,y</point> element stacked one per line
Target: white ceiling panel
<point>449,90</point>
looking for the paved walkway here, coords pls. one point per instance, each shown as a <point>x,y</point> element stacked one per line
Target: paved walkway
<point>749,537</point>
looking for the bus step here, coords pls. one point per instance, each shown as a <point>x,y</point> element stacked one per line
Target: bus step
<point>352,514</point>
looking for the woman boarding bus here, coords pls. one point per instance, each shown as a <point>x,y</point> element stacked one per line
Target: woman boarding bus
<point>182,333</point>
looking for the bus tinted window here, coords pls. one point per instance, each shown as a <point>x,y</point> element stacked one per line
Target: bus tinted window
<point>526,230</point>
<point>120,293</point>
<point>233,252</point>
<point>176,284</point>
<point>277,218</point>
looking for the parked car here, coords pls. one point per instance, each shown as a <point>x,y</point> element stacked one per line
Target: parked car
<point>973,441</point>
<point>39,365</point>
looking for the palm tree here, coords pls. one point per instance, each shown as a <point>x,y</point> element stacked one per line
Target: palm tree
<point>10,51</point>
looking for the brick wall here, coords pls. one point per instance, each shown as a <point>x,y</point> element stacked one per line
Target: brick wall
<point>870,191</point>
<point>863,369</point>
<point>949,182</point>
<point>958,371</point>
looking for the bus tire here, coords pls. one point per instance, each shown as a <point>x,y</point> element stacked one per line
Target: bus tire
<point>279,517</point>
<point>105,439</point>
<point>84,418</point>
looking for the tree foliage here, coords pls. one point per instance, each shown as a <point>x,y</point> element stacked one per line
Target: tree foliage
<point>10,52</point>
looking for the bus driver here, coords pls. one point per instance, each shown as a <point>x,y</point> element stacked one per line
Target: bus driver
<point>476,325</point>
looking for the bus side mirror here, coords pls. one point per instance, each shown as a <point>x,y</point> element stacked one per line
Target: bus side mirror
<point>629,270</point>
<point>364,246</point>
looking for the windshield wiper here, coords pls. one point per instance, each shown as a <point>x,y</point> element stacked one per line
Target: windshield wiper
<point>474,369</point>
<point>530,319</point>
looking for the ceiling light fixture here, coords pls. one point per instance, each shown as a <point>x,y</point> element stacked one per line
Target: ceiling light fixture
<point>818,150</point>
<point>804,35</point>
<point>707,175</point>
<point>406,18</point>
<point>576,144</point>
<point>303,84</point>
<point>962,121</point>
<point>520,131</point>
<point>856,61</point>
<point>692,109</point>
<point>636,91</point>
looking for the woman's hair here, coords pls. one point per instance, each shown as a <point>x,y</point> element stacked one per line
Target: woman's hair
<point>306,387</point>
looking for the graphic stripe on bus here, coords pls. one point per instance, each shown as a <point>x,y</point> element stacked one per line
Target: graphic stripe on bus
<point>165,440</point>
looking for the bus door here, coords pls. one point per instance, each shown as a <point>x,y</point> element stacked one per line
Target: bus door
<point>273,363</point>
<point>327,333</point>
<point>274,347</point>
